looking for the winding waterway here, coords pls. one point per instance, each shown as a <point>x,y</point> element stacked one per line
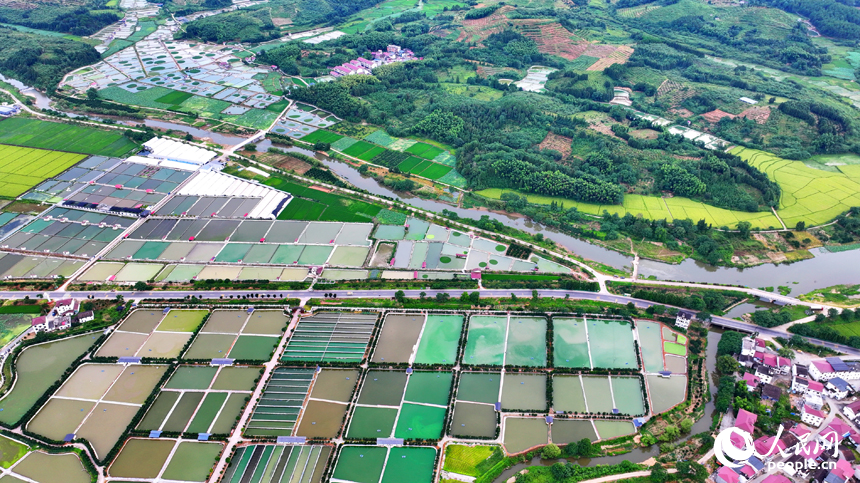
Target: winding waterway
<point>825,269</point>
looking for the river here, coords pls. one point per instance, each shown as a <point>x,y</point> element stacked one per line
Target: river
<point>825,269</point>
<point>639,455</point>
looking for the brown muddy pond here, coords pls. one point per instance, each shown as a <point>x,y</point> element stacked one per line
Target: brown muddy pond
<point>568,431</point>
<point>399,338</point>
<point>524,433</point>
<point>472,419</point>
<point>334,385</point>
<point>524,391</point>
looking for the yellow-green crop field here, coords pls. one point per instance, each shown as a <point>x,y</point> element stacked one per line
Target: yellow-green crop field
<point>23,168</point>
<point>810,195</point>
<point>655,208</point>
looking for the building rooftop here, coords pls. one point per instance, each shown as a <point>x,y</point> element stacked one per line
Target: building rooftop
<point>746,420</point>
<point>837,364</point>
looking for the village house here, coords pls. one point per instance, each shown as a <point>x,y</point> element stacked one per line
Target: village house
<point>852,410</point>
<point>814,401</point>
<point>65,307</point>
<point>752,381</point>
<point>750,346</point>
<point>746,421</point>
<point>837,388</point>
<point>771,393</point>
<point>811,416</point>
<point>830,367</point>
<point>50,324</point>
<point>726,475</point>
<point>683,319</point>
<point>765,373</point>
<point>768,447</point>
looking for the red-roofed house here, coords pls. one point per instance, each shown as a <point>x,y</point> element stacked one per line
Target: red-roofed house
<point>746,421</point>
<point>66,307</point>
<point>821,370</point>
<point>812,417</point>
<point>800,430</point>
<point>776,479</point>
<point>737,440</point>
<point>759,355</point>
<point>752,381</point>
<point>815,387</point>
<point>852,410</point>
<point>834,433</point>
<point>768,447</point>
<point>726,475</point>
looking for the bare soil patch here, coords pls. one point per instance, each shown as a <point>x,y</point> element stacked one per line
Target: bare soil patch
<point>558,143</point>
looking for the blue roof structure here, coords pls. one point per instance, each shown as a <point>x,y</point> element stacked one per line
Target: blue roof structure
<point>222,362</point>
<point>389,441</point>
<point>291,440</point>
<point>69,437</point>
<point>837,364</point>
<point>129,360</point>
<point>202,436</point>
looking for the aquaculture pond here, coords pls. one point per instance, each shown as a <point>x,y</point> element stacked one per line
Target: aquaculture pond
<point>365,464</point>
<point>440,339</point>
<point>399,337</point>
<point>36,369</point>
<point>273,464</point>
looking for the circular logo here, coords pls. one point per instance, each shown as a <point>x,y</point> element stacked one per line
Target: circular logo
<point>726,451</point>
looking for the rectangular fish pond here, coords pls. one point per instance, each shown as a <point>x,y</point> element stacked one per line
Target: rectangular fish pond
<point>506,340</point>
<point>263,463</point>
<point>365,464</point>
<point>172,459</point>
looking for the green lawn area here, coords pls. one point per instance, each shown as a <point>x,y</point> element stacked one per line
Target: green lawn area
<point>302,209</point>
<point>371,153</point>
<point>849,329</point>
<point>34,133</point>
<point>175,97</point>
<point>411,162</point>
<point>514,276</point>
<point>435,171</point>
<point>431,152</point>
<point>11,325</point>
<point>420,167</point>
<point>358,148</point>
<point>11,451</point>
<point>470,460</point>
<point>322,136</point>
<point>419,149</point>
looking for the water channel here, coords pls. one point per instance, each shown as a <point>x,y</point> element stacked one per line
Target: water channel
<point>639,455</point>
<point>825,269</point>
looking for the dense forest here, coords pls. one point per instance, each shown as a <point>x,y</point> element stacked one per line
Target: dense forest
<point>41,61</point>
<point>84,19</point>
<point>832,18</point>
<point>242,25</point>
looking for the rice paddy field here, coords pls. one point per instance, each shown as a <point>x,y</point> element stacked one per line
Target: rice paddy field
<point>96,403</point>
<point>23,168</point>
<point>810,195</point>
<point>33,133</point>
<point>654,208</point>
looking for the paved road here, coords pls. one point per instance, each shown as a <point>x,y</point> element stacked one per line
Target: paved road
<point>347,294</point>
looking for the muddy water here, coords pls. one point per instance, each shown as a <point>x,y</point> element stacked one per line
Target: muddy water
<point>567,395</point>
<point>226,321</point>
<point>568,431</point>
<point>334,385</point>
<point>398,339</point>
<point>383,388</point>
<point>666,392</point>
<point>479,387</point>
<point>524,433</point>
<point>37,368</point>
<point>141,458</point>
<point>473,420</point>
<point>524,391</point>
<point>321,420</point>
<point>47,468</point>
<point>105,426</point>
<point>236,378</point>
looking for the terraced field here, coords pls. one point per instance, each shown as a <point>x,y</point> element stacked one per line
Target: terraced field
<point>655,208</point>
<point>810,195</point>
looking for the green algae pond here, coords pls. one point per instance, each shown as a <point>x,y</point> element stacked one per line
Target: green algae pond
<point>569,341</point>
<point>440,339</point>
<point>37,368</point>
